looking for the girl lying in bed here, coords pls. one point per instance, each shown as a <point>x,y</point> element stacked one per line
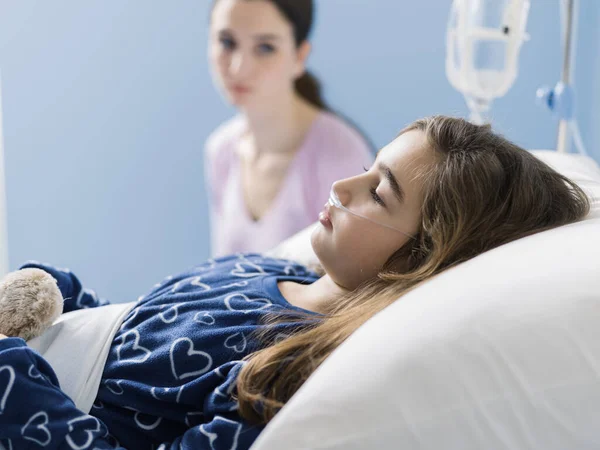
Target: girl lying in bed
<point>209,356</point>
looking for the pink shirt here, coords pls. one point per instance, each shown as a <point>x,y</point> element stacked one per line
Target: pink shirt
<point>332,150</point>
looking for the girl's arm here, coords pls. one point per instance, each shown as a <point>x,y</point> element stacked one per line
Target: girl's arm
<point>74,295</point>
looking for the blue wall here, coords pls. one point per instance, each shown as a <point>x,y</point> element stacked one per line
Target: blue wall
<point>107,104</point>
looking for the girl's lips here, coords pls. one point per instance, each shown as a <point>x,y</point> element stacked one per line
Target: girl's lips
<point>325,217</point>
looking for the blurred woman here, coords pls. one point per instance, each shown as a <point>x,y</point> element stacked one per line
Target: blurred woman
<point>284,144</point>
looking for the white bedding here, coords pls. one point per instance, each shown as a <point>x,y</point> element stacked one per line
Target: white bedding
<point>77,345</point>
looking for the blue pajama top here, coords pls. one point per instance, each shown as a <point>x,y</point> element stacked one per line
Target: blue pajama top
<point>171,369</point>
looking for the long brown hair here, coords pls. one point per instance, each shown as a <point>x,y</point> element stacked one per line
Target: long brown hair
<point>482,192</point>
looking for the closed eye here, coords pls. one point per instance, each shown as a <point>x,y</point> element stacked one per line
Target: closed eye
<point>377,198</point>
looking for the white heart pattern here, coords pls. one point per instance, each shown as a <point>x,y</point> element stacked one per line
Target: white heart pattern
<point>253,270</point>
<point>223,438</point>
<point>176,286</point>
<point>98,405</point>
<point>34,373</point>
<point>192,357</point>
<point>193,418</point>
<point>197,282</point>
<point>236,342</point>
<point>238,284</point>
<point>136,354</point>
<point>204,317</point>
<point>171,311</point>
<point>89,302</point>
<point>241,303</point>
<point>7,386</point>
<point>228,391</point>
<point>114,386</point>
<point>218,391</point>
<point>35,429</point>
<point>146,426</point>
<point>166,394</point>
<point>88,431</point>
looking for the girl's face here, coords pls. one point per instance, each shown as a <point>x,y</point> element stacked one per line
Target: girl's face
<point>253,53</point>
<point>352,249</point>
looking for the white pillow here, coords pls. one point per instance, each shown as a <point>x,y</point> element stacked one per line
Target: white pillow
<point>501,352</point>
<point>581,169</point>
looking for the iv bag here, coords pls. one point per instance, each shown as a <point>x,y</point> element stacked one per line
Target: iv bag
<point>483,41</point>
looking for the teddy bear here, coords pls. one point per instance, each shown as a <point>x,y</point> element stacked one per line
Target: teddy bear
<point>30,302</point>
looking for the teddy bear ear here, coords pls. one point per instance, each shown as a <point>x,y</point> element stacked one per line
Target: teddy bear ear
<point>30,302</point>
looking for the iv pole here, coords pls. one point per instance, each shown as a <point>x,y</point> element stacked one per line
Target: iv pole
<point>563,125</point>
<point>560,99</point>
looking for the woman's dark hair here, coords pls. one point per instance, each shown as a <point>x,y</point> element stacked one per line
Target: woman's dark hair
<point>300,14</point>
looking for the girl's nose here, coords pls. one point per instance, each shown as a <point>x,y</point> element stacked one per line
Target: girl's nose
<point>342,190</point>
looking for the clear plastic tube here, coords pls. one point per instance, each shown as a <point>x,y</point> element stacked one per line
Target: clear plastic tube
<point>335,202</point>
